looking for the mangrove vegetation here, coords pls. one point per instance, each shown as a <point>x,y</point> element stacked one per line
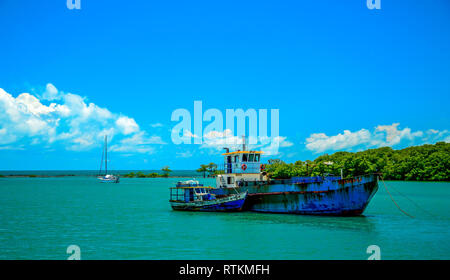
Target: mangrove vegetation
<point>211,169</point>
<point>139,174</point>
<point>417,163</point>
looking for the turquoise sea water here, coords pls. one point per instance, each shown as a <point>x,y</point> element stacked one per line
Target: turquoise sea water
<point>56,173</point>
<point>41,217</point>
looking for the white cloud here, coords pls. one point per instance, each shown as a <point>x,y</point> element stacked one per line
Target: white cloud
<point>271,145</point>
<point>217,140</point>
<point>394,136</point>
<point>139,142</point>
<point>69,120</point>
<point>188,134</point>
<point>320,142</point>
<point>13,148</point>
<point>127,125</point>
<point>219,134</point>
<point>185,154</point>
<point>21,118</point>
<point>383,135</point>
<point>284,143</point>
<point>50,93</point>
<point>33,105</point>
<point>154,125</point>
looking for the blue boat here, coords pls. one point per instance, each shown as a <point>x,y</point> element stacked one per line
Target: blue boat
<point>192,196</point>
<point>321,195</point>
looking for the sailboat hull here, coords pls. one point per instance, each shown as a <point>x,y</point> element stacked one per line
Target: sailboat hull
<point>109,180</point>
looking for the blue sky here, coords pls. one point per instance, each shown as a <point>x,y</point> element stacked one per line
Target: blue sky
<point>342,76</point>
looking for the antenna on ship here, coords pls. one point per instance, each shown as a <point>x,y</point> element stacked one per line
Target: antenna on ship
<point>243,142</point>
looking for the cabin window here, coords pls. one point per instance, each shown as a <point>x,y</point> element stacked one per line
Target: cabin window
<point>236,158</point>
<point>257,158</point>
<point>230,180</point>
<point>251,157</point>
<point>188,195</point>
<point>244,157</point>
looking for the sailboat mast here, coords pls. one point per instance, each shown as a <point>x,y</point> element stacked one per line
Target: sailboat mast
<point>106,154</point>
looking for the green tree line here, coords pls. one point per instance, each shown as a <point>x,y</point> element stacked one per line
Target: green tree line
<point>211,169</point>
<point>417,163</point>
<point>165,174</point>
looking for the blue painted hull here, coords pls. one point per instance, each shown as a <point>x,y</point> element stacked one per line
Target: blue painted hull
<point>218,205</point>
<point>347,197</point>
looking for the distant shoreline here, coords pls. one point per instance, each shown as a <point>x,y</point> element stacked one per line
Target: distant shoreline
<point>88,173</point>
<point>35,176</point>
<point>197,176</point>
<point>73,175</point>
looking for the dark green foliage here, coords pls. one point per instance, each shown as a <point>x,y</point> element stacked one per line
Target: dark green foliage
<point>203,169</point>
<point>166,171</point>
<point>419,163</point>
<point>217,172</point>
<point>153,175</point>
<point>141,174</point>
<point>129,175</point>
<point>210,168</point>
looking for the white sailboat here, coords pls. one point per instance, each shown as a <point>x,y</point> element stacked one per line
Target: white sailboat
<point>107,178</point>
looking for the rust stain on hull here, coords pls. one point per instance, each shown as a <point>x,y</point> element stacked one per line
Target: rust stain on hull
<point>347,197</point>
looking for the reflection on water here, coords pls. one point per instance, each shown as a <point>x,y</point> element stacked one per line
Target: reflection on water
<point>358,224</point>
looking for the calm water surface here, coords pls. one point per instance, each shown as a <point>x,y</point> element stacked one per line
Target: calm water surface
<point>41,217</point>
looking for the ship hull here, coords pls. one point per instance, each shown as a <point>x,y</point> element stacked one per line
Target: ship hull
<point>343,197</point>
<point>227,204</point>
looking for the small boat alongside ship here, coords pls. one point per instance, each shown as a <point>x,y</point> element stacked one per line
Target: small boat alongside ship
<point>321,195</point>
<point>192,196</point>
<point>106,178</point>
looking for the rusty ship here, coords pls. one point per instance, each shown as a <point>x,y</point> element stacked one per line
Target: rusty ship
<point>321,195</point>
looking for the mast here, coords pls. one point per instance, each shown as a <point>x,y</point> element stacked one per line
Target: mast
<point>101,162</point>
<point>106,155</point>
